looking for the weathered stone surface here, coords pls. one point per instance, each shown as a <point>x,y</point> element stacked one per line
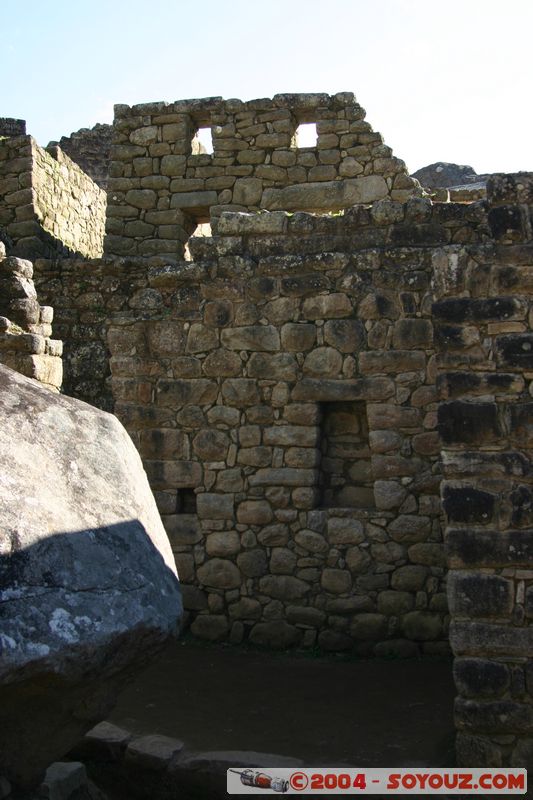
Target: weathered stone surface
<point>281,366</point>
<point>251,337</point>
<point>323,361</point>
<point>86,552</point>
<point>336,581</point>
<point>253,563</point>
<point>215,506</point>
<point>326,195</point>
<point>222,543</point>
<point>240,392</point>
<point>297,337</point>
<point>153,752</point>
<point>282,561</point>
<point>201,338</point>
<point>210,445</point>
<point>222,363</point>
<point>422,625</point>
<point>326,306</point>
<point>213,627</point>
<point>283,587</point>
<point>347,335</point>
<point>277,635</point>
<point>254,512</point>
<point>343,531</point>
<point>311,541</point>
<point>389,494</point>
<point>409,528</point>
<point>368,626</point>
<point>220,574</point>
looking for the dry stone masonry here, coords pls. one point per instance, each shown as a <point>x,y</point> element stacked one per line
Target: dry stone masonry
<point>90,148</point>
<point>48,205</point>
<point>341,362</point>
<point>26,326</point>
<point>161,186</point>
<point>486,424</point>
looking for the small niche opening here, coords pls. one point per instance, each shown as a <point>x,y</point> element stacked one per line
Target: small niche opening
<point>186,501</point>
<point>306,135</point>
<point>202,230</point>
<point>202,142</point>
<point>345,474</point>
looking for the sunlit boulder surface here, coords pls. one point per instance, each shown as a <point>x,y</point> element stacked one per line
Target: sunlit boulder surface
<point>88,587</point>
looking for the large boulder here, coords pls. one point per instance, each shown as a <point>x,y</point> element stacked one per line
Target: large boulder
<point>88,586</point>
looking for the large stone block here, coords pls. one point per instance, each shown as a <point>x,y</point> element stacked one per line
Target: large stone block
<point>279,366</point>
<point>291,435</point>
<point>219,573</point>
<point>464,309</point>
<point>327,306</point>
<point>330,390</point>
<point>476,677</point>
<point>278,635</point>
<point>240,392</point>
<point>178,393</point>
<point>472,594</point>
<point>251,337</point>
<point>202,200</point>
<point>85,564</point>
<point>283,587</point>
<point>326,195</point>
<point>515,350</point>
<point>215,506</point>
<point>463,422</point>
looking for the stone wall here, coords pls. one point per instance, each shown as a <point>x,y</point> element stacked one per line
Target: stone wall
<point>281,390</point>
<point>26,326</point>
<point>48,205</point>
<point>161,185</point>
<point>486,423</point>
<point>12,127</point>
<point>90,148</point>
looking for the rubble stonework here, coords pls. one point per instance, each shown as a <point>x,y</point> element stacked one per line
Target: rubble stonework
<point>89,148</point>
<point>26,326</point>
<point>281,390</point>
<point>161,186</point>
<point>48,206</point>
<point>295,361</point>
<point>287,387</point>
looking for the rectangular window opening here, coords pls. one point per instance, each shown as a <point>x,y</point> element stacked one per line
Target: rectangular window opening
<point>345,470</point>
<point>306,135</point>
<point>186,501</point>
<point>202,142</point>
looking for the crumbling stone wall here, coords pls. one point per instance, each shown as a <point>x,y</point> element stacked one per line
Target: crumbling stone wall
<point>281,390</point>
<point>26,326</point>
<point>297,363</point>
<point>486,423</point>
<point>161,185</point>
<point>48,205</point>
<point>90,148</point>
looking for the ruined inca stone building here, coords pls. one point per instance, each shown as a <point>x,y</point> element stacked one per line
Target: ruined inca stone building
<point>48,206</point>
<point>161,186</point>
<point>312,391</point>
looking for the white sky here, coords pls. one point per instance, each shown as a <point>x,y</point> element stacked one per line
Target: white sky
<point>442,80</point>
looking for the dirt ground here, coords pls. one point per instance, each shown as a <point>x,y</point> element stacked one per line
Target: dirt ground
<point>328,711</point>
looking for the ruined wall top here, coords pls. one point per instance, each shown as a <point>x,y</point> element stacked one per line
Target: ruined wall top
<point>162,185</point>
<point>12,127</point>
<point>89,148</point>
